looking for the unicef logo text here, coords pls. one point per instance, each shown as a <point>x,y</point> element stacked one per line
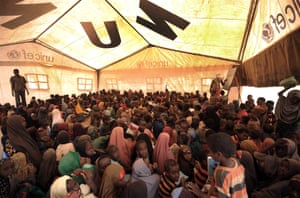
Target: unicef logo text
<point>267,32</point>
<point>14,54</point>
<point>30,56</point>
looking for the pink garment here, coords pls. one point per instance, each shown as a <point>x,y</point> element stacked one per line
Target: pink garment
<point>169,131</point>
<point>162,151</point>
<point>125,146</point>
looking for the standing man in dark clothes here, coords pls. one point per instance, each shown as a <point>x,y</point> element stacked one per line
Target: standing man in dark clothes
<point>18,87</point>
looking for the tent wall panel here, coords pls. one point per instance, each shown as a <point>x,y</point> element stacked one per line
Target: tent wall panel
<point>103,40</point>
<point>274,64</point>
<point>180,79</point>
<point>61,80</point>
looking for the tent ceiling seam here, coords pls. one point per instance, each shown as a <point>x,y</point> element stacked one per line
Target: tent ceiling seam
<point>18,42</point>
<point>249,23</point>
<point>125,57</point>
<point>52,24</point>
<point>197,54</point>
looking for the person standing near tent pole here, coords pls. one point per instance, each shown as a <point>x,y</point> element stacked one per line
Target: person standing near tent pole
<point>215,86</point>
<point>18,87</point>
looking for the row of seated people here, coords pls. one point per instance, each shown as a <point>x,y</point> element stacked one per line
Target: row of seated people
<point>136,149</point>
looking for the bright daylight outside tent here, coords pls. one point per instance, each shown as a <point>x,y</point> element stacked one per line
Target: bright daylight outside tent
<point>66,47</point>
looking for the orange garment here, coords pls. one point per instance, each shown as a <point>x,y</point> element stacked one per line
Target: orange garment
<point>230,182</point>
<point>78,109</point>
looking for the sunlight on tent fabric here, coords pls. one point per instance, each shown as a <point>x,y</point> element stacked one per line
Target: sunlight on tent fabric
<point>176,71</point>
<point>61,36</point>
<point>87,45</point>
<point>33,61</point>
<point>16,25</point>
<point>36,54</point>
<point>147,58</point>
<point>272,22</point>
<point>216,27</point>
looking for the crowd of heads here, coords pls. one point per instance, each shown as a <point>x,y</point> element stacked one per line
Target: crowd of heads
<point>103,144</point>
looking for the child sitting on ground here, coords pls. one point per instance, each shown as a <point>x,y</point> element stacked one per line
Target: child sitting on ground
<point>200,170</point>
<point>142,152</point>
<point>114,154</point>
<point>173,182</point>
<point>169,178</point>
<point>142,169</point>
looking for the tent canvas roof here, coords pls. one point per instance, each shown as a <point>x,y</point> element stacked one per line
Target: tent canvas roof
<point>99,33</point>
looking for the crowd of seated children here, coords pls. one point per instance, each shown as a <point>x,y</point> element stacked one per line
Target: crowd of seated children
<point>131,144</point>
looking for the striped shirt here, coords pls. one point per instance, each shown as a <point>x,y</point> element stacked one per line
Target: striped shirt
<point>166,187</point>
<point>230,182</point>
<point>200,176</point>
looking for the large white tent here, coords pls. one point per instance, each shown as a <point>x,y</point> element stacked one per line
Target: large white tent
<point>75,46</point>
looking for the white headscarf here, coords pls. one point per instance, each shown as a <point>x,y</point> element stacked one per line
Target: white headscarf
<point>56,117</point>
<point>63,149</point>
<point>58,188</point>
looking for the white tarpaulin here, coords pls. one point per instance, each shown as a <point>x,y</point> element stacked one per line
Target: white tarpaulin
<point>119,39</point>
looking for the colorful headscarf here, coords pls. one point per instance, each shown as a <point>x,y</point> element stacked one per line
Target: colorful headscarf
<point>169,131</point>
